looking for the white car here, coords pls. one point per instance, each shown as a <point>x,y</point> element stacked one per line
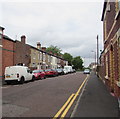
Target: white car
<point>18,73</point>
<point>86,71</point>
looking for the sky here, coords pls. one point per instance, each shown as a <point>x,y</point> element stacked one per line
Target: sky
<point>71,25</point>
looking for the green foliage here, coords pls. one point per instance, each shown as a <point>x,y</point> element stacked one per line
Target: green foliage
<point>77,62</point>
<point>54,50</point>
<point>68,57</point>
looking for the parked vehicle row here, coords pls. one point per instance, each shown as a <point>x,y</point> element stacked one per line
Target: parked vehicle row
<point>23,73</point>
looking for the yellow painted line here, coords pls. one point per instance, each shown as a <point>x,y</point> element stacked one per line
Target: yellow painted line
<point>63,107</point>
<point>82,85</point>
<point>72,101</point>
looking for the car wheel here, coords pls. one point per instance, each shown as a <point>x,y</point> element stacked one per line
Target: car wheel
<point>44,77</point>
<point>22,80</point>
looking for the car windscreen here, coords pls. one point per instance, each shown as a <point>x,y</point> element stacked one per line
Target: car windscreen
<point>59,69</point>
<point>37,71</point>
<point>48,70</point>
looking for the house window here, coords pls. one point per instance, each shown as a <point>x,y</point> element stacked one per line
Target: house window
<point>38,56</point>
<point>33,64</point>
<point>105,30</point>
<point>107,66</point>
<point>48,58</point>
<point>34,56</point>
<point>44,57</point>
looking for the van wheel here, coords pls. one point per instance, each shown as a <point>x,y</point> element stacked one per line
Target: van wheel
<point>8,82</point>
<point>22,80</point>
<point>33,78</point>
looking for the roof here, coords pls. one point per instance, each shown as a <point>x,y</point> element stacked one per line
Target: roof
<point>8,38</point>
<point>104,8</point>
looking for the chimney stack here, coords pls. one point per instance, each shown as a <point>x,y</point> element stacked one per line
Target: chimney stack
<point>44,48</point>
<point>50,52</point>
<point>38,45</point>
<point>1,30</point>
<point>23,38</point>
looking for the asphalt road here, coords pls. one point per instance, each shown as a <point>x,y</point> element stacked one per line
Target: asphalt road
<point>41,98</point>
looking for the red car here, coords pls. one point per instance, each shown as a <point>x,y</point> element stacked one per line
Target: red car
<point>51,72</point>
<point>39,74</point>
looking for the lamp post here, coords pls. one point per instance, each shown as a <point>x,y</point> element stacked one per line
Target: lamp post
<point>95,57</point>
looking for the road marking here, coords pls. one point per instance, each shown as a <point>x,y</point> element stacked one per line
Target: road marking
<point>9,86</point>
<point>81,85</point>
<point>72,101</point>
<point>75,108</point>
<point>63,107</point>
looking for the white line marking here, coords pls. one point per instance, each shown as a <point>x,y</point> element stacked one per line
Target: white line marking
<point>77,103</point>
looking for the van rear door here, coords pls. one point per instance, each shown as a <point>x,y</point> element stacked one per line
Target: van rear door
<point>10,73</point>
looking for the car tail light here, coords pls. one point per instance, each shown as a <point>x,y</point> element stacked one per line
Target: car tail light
<point>17,75</point>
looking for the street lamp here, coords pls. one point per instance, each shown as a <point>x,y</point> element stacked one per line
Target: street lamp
<point>95,57</point>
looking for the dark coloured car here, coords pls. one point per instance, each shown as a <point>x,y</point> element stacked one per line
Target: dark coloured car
<point>39,74</point>
<point>60,71</point>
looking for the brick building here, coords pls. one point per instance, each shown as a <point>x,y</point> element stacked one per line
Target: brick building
<point>7,52</point>
<point>19,53</point>
<point>22,55</point>
<point>1,38</point>
<point>110,58</point>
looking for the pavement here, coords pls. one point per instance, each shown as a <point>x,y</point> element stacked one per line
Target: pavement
<point>96,100</point>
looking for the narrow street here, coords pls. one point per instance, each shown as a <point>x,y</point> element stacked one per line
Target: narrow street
<point>41,98</point>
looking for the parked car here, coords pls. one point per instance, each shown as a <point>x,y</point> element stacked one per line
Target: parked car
<point>60,71</point>
<point>86,71</point>
<point>18,73</point>
<point>50,72</point>
<point>39,74</point>
<point>74,70</point>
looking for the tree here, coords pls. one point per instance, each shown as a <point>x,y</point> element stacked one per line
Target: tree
<point>77,63</point>
<point>68,57</point>
<point>54,50</point>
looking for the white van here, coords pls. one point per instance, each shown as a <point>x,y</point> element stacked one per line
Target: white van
<point>68,69</point>
<point>18,73</point>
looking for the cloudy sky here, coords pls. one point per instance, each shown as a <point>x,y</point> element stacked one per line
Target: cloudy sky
<point>72,25</point>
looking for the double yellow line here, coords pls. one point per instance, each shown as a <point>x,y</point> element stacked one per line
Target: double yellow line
<point>65,108</point>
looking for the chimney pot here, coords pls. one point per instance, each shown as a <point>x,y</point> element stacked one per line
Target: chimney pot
<point>23,38</point>
<point>38,45</point>
<point>44,48</point>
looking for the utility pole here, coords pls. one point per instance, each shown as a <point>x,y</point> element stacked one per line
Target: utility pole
<point>97,51</point>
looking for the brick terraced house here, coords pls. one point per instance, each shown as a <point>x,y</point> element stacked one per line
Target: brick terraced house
<point>14,52</point>
<point>7,52</point>
<point>110,57</point>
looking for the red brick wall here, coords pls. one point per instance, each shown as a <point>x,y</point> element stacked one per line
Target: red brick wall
<point>0,62</point>
<point>7,54</point>
<point>110,16</point>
